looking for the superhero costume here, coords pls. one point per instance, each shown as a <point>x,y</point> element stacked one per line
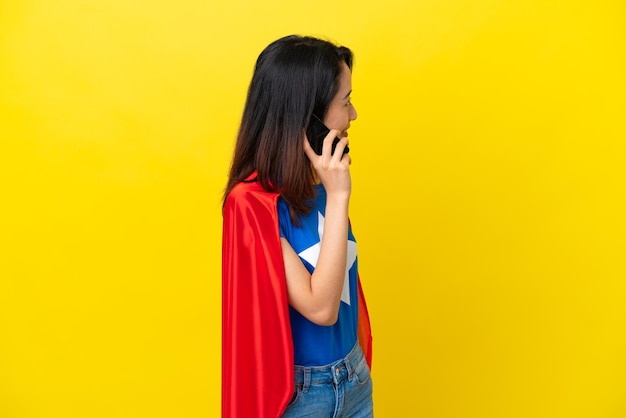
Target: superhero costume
<point>257,347</point>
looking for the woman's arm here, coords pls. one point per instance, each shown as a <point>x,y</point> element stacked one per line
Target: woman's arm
<point>317,296</point>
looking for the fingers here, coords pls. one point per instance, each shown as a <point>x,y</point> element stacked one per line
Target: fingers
<point>347,158</point>
<point>327,147</point>
<point>332,170</point>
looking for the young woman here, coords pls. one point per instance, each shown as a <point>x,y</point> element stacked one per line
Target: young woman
<point>295,331</point>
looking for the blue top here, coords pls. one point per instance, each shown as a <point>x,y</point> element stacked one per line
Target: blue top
<point>316,345</point>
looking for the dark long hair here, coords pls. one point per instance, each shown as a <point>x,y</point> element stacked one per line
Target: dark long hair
<point>294,77</point>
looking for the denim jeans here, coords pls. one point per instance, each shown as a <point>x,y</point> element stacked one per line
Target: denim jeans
<point>339,390</point>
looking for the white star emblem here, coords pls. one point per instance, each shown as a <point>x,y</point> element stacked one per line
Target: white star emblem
<point>312,254</point>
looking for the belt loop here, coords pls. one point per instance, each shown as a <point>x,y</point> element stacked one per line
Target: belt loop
<point>306,379</point>
<point>350,368</point>
<point>352,360</point>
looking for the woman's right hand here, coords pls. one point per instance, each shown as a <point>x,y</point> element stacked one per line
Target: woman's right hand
<point>333,170</point>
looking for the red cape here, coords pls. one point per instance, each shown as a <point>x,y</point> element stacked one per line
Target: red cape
<point>257,346</point>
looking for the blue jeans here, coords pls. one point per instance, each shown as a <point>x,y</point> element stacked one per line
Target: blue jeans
<point>339,390</point>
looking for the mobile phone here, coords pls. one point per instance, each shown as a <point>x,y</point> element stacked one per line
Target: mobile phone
<point>316,132</point>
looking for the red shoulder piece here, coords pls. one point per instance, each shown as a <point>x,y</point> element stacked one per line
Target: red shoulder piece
<point>257,347</point>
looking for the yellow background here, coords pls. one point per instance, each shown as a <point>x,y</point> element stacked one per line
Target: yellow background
<point>489,201</point>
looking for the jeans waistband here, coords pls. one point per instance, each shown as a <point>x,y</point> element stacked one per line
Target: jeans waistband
<point>335,372</point>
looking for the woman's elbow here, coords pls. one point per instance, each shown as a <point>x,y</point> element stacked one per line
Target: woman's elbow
<point>324,318</point>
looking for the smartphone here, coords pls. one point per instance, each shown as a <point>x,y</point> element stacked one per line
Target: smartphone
<point>316,132</point>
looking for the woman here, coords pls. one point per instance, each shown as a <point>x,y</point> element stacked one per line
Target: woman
<point>293,309</point>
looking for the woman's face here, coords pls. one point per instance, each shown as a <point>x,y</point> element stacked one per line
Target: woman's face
<point>341,111</point>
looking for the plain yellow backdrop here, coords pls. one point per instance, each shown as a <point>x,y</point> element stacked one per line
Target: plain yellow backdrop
<point>489,200</point>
